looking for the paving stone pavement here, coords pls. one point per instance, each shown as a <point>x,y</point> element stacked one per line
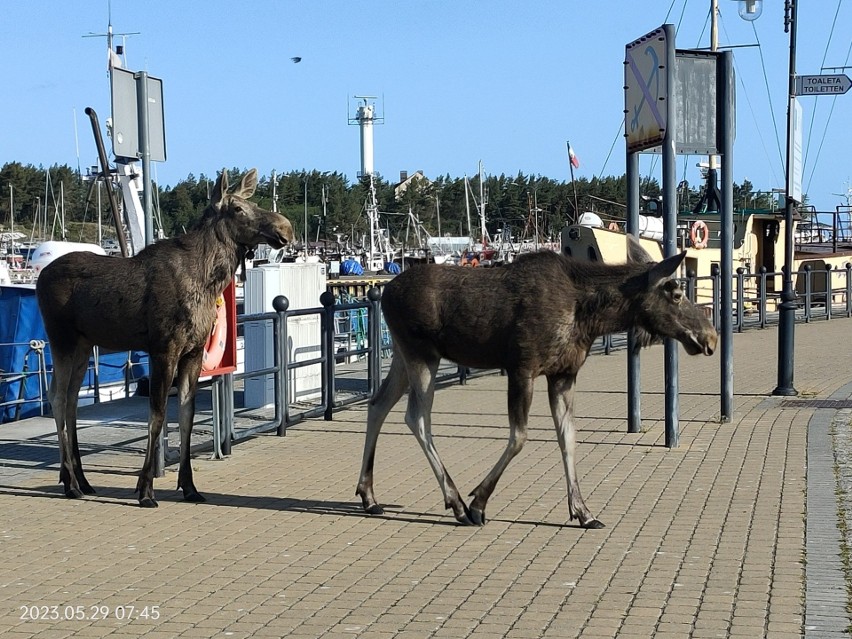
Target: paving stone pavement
<point>712,539</point>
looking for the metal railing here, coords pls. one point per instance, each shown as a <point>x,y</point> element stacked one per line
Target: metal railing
<point>9,380</point>
<point>17,382</point>
<point>353,348</point>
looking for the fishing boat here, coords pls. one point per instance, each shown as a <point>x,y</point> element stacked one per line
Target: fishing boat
<point>758,246</point>
<point>24,352</point>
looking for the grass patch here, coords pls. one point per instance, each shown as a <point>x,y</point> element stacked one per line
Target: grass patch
<point>843,527</point>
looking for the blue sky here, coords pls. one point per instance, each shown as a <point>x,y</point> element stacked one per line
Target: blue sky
<point>503,82</point>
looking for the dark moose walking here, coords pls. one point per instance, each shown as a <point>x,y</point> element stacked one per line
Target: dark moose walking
<point>537,316</point>
<point>163,301</point>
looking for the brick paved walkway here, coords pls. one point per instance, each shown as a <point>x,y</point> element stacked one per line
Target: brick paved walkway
<point>707,540</point>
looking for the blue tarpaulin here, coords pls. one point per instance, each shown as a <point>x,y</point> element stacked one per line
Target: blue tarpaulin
<point>20,323</point>
<point>351,267</point>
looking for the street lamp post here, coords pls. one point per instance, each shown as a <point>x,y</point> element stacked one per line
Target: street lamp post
<point>787,308</point>
<point>750,10</point>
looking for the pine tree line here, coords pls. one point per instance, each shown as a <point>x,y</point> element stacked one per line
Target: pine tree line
<point>335,207</point>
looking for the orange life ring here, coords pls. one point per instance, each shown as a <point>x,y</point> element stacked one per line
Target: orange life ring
<point>214,349</point>
<point>699,234</point>
<point>613,226</point>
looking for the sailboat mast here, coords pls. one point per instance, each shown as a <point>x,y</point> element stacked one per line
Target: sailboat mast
<point>467,207</point>
<point>62,207</point>
<point>481,206</point>
<point>438,211</point>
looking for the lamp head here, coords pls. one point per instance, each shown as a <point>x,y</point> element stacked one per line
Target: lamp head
<point>750,10</point>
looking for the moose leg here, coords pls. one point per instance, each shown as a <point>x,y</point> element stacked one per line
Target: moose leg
<point>560,391</point>
<point>78,373</point>
<point>58,396</point>
<point>162,374</point>
<point>390,391</point>
<point>520,398</point>
<point>187,382</point>
<point>64,385</point>
<point>418,417</point>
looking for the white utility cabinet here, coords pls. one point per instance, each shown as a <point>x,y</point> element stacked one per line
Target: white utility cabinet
<point>302,284</point>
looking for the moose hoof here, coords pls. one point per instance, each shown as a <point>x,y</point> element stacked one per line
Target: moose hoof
<point>477,516</point>
<point>86,487</point>
<point>593,524</point>
<point>148,502</point>
<point>374,509</point>
<point>73,493</point>
<point>190,493</point>
<point>463,515</point>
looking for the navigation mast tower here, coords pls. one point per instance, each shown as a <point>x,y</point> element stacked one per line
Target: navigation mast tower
<point>365,117</point>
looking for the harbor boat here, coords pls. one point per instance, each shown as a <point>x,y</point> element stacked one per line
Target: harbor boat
<point>758,246</point>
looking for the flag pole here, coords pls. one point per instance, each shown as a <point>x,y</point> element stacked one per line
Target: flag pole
<point>573,185</point>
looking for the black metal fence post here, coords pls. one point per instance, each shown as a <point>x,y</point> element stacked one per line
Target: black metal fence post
<point>228,391</point>
<point>690,285</point>
<point>848,289</point>
<point>714,281</point>
<point>829,291</point>
<point>374,363</point>
<point>761,294</point>
<point>808,292</point>
<point>740,298</point>
<point>96,374</point>
<point>327,300</point>
<point>280,304</point>
<point>220,409</point>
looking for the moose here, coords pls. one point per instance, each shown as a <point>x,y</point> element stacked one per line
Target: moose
<point>536,316</point>
<point>163,301</point>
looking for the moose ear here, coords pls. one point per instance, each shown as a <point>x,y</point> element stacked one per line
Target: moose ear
<point>665,269</point>
<point>635,252</point>
<point>219,189</point>
<point>248,185</point>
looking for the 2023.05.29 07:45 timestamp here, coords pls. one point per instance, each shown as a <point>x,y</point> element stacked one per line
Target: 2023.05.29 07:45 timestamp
<point>89,613</point>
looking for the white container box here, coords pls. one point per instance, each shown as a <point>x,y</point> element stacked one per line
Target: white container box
<point>302,284</point>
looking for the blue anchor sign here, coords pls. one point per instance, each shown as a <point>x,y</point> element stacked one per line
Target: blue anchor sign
<point>645,90</point>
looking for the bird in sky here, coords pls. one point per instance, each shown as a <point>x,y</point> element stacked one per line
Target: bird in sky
<point>296,59</point>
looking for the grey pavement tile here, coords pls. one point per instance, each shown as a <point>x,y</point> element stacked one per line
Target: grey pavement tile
<point>705,540</point>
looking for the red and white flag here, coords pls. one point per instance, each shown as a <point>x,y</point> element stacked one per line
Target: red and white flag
<point>575,161</point>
